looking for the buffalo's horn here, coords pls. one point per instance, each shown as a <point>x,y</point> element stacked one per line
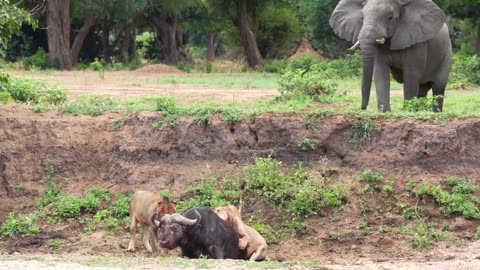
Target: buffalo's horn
<point>155,221</point>
<point>381,41</point>
<point>183,220</point>
<point>355,46</point>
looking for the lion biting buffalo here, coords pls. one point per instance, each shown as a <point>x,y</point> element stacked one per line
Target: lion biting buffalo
<point>200,232</point>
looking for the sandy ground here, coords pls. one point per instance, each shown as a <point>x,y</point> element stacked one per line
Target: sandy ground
<point>125,85</point>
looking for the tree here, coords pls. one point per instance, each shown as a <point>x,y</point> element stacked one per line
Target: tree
<point>164,16</point>
<point>466,9</point>
<point>11,19</point>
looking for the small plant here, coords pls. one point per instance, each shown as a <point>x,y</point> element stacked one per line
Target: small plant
<point>55,244</point>
<point>307,144</point>
<point>313,120</point>
<point>424,235</point>
<point>96,65</point>
<point>203,117</point>
<point>384,229</point>
<point>117,125</point>
<point>361,126</point>
<point>477,233</point>
<point>5,97</point>
<point>166,105</point>
<point>19,225</point>
<point>271,235</point>
<point>372,181</point>
<point>232,115</point>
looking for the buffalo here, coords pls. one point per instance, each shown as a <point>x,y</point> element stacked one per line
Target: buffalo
<point>200,233</point>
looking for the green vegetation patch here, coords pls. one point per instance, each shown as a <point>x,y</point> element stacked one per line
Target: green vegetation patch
<point>455,198</point>
<point>18,224</point>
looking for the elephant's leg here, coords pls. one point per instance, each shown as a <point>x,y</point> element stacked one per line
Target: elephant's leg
<point>382,85</point>
<point>424,88</point>
<point>438,95</point>
<point>411,86</point>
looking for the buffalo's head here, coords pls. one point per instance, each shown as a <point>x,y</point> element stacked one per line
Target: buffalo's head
<point>173,228</point>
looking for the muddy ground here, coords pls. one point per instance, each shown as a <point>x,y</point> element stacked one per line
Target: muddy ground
<point>90,152</point>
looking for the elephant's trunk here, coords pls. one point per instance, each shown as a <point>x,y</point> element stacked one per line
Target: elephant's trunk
<point>368,60</point>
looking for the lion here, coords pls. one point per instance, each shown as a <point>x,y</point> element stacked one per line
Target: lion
<point>144,208</point>
<point>250,239</point>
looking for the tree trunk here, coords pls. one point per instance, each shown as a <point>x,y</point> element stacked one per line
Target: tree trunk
<point>478,39</point>
<point>170,37</point>
<point>107,49</point>
<point>88,23</point>
<point>212,46</point>
<point>247,37</point>
<point>58,33</point>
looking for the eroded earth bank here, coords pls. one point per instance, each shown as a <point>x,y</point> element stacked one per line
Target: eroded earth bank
<point>125,153</point>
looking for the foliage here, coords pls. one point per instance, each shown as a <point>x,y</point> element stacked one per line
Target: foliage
<point>90,105</point>
<point>19,225</point>
<point>97,65</point>
<point>465,71</point>
<point>51,190</point>
<point>232,115</point>
<point>424,234</point>
<point>308,144</point>
<point>5,97</point>
<point>459,200</point>
<point>11,19</point>
<point>297,190</point>
<point>34,91</point>
<point>166,105</point>
<point>37,60</point>
<point>418,104</point>
<point>313,82</point>
<point>211,193</point>
<point>66,207</point>
<point>361,125</point>
<point>275,66</point>
<point>372,181</point>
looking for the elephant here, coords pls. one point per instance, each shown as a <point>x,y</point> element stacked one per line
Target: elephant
<point>407,38</point>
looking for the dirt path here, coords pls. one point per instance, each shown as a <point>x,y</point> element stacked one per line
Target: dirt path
<point>126,85</point>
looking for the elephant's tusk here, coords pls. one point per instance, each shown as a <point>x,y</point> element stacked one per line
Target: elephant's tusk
<point>381,41</point>
<point>355,46</point>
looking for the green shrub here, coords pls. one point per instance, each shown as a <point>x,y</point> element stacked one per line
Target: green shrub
<point>460,200</point>
<point>372,181</point>
<point>96,65</point>
<point>307,144</point>
<point>5,97</point>
<point>275,66</point>
<point>135,63</point>
<point>348,67</point>
<point>210,193</point>
<point>306,63</point>
<point>184,67</point>
<point>19,225</point>
<point>361,125</point>
<point>38,60</point>
<point>166,105</point>
<point>313,83</point>
<point>90,105</point>
<point>121,207</point>
<point>417,104</point>
<point>296,190</point>
<point>232,115</point>
<point>35,91</point>
<point>465,71</point>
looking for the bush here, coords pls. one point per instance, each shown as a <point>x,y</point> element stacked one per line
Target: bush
<point>460,200</point>
<point>465,71</point>
<point>38,60</point>
<point>296,190</point>
<point>121,207</point>
<point>19,225</point>
<point>35,91</point>
<point>184,67</point>
<point>305,63</point>
<point>5,97</point>
<point>418,104</point>
<point>166,105</point>
<point>96,65</point>
<point>312,82</point>
<point>276,66</point>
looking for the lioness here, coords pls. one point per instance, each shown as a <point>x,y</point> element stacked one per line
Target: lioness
<point>250,239</point>
<point>145,206</point>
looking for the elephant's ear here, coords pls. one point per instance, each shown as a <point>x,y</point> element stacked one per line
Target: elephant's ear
<point>346,19</point>
<point>420,20</point>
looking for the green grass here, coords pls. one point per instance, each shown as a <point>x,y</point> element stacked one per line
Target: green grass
<point>222,81</point>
